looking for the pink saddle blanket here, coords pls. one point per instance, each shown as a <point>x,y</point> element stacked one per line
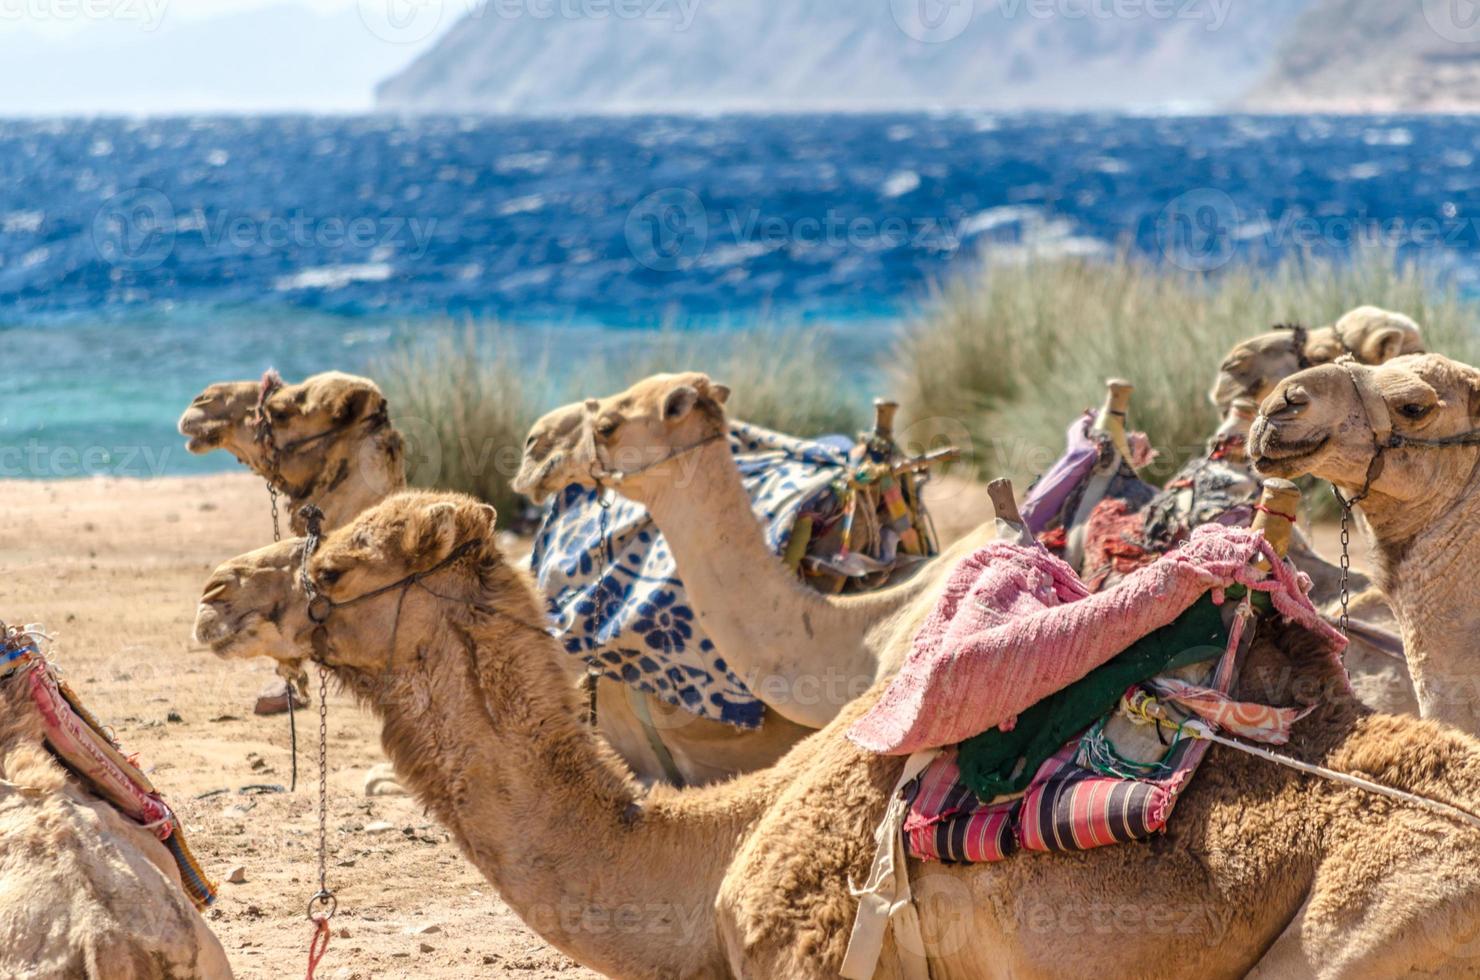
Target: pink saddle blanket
<point>1015,624</point>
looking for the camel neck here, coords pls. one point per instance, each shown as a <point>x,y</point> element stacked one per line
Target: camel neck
<point>1429,579</point>
<point>774,632</point>
<point>483,728</point>
<point>343,481</point>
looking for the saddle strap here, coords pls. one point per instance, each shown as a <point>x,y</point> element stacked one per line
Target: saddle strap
<point>885,899</point>
<point>655,741</point>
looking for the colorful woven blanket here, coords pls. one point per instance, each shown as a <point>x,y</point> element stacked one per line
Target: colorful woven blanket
<point>618,602</point>
<point>1040,788</point>
<point>84,747</point>
<point>1015,624</point>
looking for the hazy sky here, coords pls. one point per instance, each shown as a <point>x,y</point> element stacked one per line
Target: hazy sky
<point>67,57</point>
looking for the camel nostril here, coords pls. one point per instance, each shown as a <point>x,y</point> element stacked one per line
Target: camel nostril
<point>1285,403</point>
<point>213,591</point>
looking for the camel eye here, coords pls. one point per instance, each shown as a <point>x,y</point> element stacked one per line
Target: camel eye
<point>330,576</point>
<point>1413,410</point>
<point>607,427</point>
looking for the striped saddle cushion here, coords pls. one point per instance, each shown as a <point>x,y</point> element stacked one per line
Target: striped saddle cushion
<point>1066,808</point>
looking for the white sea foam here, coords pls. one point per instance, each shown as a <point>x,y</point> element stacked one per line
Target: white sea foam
<point>902,183</point>
<point>332,277</point>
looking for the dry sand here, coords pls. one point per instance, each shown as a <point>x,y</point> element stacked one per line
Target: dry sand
<point>113,569</point>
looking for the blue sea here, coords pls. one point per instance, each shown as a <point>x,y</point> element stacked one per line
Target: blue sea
<point>143,259</point>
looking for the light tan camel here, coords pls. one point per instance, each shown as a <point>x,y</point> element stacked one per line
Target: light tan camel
<point>1422,505</point>
<point>326,440</point>
<point>1262,867</point>
<point>222,417</point>
<point>1253,368</point>
<point>84,891</point>
<point>662,444</point>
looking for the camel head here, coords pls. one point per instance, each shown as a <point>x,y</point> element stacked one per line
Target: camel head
<point>1327,422</point>
<point>374,608</point>
<point>626,438</point>
<point>1254,367</point>
<point>327,439</point>
<point>254,606</point>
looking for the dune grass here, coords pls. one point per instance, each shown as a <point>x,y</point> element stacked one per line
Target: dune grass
<point>465,398</point>
<point>997,362</point>
<point>1008,356</point>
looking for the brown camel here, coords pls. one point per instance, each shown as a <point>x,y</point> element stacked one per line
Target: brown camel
<point>662,444</point>
<point>1253,368</point>
<point>1262,868</point>
<point>84,891</point>
<point>1367,430</point>
<point>224,416</point>
<point>326,440</point>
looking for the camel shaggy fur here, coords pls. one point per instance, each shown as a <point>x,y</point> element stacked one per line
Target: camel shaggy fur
<point>1422,505</point>
<point>332,442</point>
<point>84,891</point>
<point>1262,868</point>
<point>1253,368</point>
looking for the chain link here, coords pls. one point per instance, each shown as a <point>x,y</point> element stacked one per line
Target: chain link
<point>1346,568</point>
<point>277,532</point>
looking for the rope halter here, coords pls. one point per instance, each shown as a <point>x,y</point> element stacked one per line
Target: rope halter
<point>601,470</point>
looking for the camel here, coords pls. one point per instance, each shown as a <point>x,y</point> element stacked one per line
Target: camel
<point>84,891</point>
<point>1363,429</point>
<point>1253,368</point>
<point>662,444</point>
<point>223,417</point>
<point>1261,869</point>
<point>326,440</point>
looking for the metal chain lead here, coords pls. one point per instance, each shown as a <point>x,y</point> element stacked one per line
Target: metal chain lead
<point>1346,568</point>
<point>324,897</point>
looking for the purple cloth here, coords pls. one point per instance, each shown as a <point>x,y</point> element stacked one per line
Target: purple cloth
<point>1047,497</point>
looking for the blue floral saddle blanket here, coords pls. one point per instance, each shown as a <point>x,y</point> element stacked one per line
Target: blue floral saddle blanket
<point>617,601</point>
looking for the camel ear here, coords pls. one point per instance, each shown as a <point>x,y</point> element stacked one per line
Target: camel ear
<point>432,535</point>
<point>1382,345</point>
<point>680,402</point>
<point>353,403</point>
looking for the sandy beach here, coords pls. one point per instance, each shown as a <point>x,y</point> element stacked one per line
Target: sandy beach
<point>113,569</point>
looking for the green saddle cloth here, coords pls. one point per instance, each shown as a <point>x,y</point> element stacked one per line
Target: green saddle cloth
<point>996,763</point>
